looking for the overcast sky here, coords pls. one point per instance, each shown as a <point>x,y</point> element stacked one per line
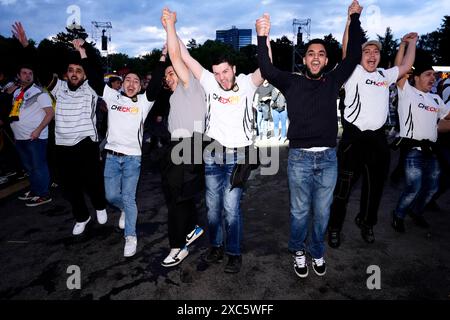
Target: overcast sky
<point>137,29</point>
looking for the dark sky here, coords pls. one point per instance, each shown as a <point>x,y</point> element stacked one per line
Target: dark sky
<point>137,29</point>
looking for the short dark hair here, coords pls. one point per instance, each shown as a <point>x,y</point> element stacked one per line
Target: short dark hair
<point>74,58</point>
<point>223,58</point>
<point>422,63</point>
<point>132,72</point>
<point>25,66</point>
<point>316,41</point>
<point>114,78</point>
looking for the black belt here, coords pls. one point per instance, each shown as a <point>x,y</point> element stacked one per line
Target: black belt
<point>116,153</point>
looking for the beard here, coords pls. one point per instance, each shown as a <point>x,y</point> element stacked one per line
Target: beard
<point>74,84</point>
<point>316,76</point>
<point>233,84</point>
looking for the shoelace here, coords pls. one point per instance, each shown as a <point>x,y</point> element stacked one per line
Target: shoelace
<point>178,252</point>
<point>300,260</point>
<point>319,262</point>
<point>129,239</point>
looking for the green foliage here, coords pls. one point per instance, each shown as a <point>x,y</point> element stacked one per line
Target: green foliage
<point>388,48</point>
<point>52,52</point>
<point>334,51</point>
<point>282,53</point>
<point>437,43</point>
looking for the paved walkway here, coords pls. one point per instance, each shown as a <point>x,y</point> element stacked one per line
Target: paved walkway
<point>37,248</point>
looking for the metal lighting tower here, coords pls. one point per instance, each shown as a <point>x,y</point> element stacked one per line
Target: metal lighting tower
<point>102,30</point>
<point>299,28</point>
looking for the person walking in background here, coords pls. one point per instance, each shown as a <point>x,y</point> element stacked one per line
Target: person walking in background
<point>278,108</point>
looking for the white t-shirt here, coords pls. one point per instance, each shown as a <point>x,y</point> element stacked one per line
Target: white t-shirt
<point>75,113</point>
<point>229,117</point>
<point>125,121</point>
<point>419,113</point>
<point>31,113</point>
<point>446,92</point>
<point>367,97</point>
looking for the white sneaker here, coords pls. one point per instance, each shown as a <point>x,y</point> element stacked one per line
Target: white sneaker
<point>175,257</point>
<point>193,235</point>
<point>79,227</point>
<point>130,246</point>
<point>122,220</point>
<point>319,266</point>
<point>102,216</point>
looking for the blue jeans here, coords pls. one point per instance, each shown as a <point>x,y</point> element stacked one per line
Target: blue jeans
<point>223,203</point>
<point>422,182</point>
<point>263,125</point>
<point>277,117</point>
<point>33,154</point>
<point>312,177</point>
<point>121,179</point>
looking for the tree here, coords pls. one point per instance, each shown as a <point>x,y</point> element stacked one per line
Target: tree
<point>443,49</point>
<point>205,53</point>
<point>282,53</point>
<point>334,51</point>
<point>437,43</point>
<point>192,44</point>
<point>118,61</point>
<point>429,43</point>
<point>388,48</point>
<point>73,32</point>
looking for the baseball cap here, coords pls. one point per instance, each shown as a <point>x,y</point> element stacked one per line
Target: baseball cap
<point>372,42</point>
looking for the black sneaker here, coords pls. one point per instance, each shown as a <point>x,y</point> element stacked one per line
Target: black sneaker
<point>397,224</point>
<point>214,255</point>
<point>420,221</point>
<point>234,264</point>
<point>334,238</point>
<point>300,266</point>
<point>319,266</point>
<point>366,231</point>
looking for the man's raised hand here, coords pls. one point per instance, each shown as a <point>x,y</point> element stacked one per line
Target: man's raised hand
<point>168,17</point>
<point>354,7</point>
<point>77,44</point>
<point>410,37</point>
<point>19,33</point>
<point>263,25</point>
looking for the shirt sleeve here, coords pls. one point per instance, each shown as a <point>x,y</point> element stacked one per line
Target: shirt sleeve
<point>207,81</point>
<point>402,93</point>
<point>44,100</point>
<point>444,110</point>
<point>56,88</point>
<point>446,93</point>
<point>146,109</point>
<point>109,94</point>
<point>249,81</point>
<point>392,75</point>
<point>354,79</point>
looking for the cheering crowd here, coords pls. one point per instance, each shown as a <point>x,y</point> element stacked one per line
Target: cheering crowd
<point>212,115</point>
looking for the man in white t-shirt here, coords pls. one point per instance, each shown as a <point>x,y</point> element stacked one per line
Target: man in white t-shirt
<point>363,149</point>
<point>421,115</point>
<point>229,122</point>
<point>31,113</point>
<point>127,111</point>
